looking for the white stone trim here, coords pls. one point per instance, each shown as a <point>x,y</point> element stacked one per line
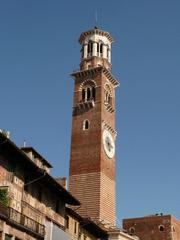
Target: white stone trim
<point>107,126</point>
<point>85,81</point>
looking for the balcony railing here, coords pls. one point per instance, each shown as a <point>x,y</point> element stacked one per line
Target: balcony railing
<point>18,218</point>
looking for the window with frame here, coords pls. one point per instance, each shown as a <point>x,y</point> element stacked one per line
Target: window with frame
<point>161,228</point>
<point>107,95</point>
<point>108,53</point>
<point>88,93</point>
<point>132,230</point>
<point>90,48</point>
<point>8,237</point>
<point>100,49</point>
<point>86,124</point>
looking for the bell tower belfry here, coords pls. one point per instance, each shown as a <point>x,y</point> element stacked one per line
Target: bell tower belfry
<point>92,160</point>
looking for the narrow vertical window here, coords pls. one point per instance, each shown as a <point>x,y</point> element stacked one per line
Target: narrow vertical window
<point>91,47</point>
<point>67,222</point>
<point>82,52</point>
<point>101,48</point>
<point>98,47</point>
<point>75,227</point>
<point>106,96</point>
<point>88,48</point>
<point>109,99</point>
<point>93,93</point>
<point>86,125</point>
<point>108,53</point>
<point>83,94</point>
<point>88,94</point>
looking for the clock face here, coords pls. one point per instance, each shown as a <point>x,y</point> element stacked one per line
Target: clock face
<point>108,143</point>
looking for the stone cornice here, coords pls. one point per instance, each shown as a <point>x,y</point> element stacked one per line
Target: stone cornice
<point>95,31</point>
<point>93,71</point>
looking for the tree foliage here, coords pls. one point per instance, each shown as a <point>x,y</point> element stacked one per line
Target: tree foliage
<point>3,197</point>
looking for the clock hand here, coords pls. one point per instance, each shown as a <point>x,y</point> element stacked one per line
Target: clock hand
<point>109,145</point>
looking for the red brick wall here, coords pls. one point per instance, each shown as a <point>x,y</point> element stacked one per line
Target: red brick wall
<point>153,227</point>
<point>94,61</point>
<point>88,157</point>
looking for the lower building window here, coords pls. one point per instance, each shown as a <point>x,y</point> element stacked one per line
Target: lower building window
<point>8,237</point>
<point>67,222</point>
<point>132,230</point>
<point>75,227</point>
<point>161,228</point>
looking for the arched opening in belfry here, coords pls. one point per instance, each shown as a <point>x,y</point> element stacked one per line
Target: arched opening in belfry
<point>90,48</point>
<point>88,91</point>
<point>107,94</point>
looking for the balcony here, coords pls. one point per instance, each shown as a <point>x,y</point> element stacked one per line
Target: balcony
<point>23,222</point>
<point>83,106</point>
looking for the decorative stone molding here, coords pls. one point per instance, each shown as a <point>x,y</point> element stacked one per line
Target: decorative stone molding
<point>109,108</point>
<point>87,81</point>
<point>95,31</point>
<point>91,72</point>
<point>108,127</point>
<point>83,106</point>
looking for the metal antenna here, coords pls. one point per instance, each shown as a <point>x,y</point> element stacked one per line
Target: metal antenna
<point>96,17</point>
<point>24,143</point>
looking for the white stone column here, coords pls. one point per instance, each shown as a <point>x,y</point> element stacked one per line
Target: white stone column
<point>104,55</point>
<point>94,50</point>
<point>109,56</point>
<point>85,51</point>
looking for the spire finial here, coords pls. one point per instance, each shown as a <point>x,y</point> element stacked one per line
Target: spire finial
<point>96,18</point>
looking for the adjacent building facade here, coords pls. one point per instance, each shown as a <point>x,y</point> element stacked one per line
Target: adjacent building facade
<point>32,203</point>
<point>154,227</point>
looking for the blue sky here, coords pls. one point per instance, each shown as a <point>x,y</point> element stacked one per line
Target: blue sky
<point>38,50</point>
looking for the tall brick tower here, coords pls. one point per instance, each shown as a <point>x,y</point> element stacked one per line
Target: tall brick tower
<point>92,161</point>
